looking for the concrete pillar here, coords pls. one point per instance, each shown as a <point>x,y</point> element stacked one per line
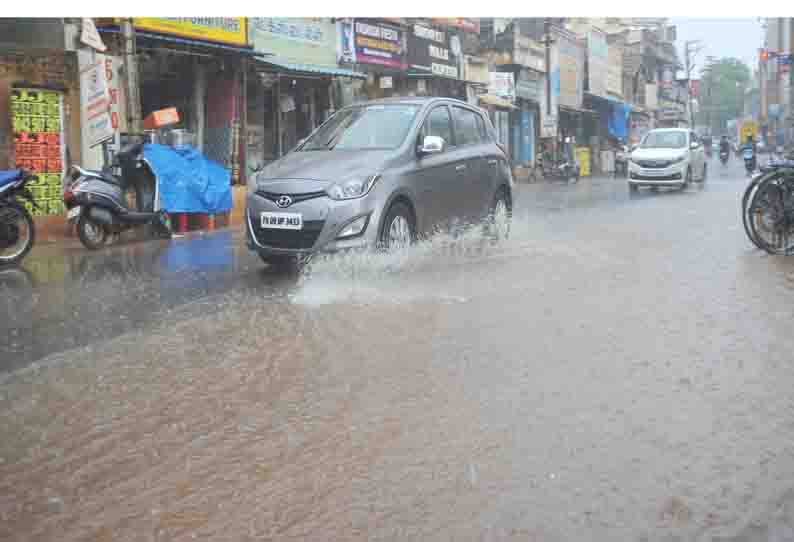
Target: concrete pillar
<point>200,102</point>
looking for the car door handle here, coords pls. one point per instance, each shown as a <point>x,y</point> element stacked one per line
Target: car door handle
<point>461,167</point>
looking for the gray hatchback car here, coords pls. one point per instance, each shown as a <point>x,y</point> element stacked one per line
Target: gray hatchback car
<point>381,174</point>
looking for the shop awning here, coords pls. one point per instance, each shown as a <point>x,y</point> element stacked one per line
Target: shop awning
<point>183,41</point>
<point>496,101</point>
<point>608,99</point>
<point>298,68</point>
<point>577,110</point>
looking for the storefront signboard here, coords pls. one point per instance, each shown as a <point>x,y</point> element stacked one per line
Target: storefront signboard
<point>429,51</point>
<point>230,30</point>
<point>298,40</point>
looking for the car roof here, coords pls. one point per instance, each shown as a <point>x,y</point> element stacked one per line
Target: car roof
<point>411,100</point>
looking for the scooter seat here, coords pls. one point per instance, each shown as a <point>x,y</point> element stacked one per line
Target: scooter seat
<point>10,176</point>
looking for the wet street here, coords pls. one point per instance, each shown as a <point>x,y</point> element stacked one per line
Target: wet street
<point>620,369</point>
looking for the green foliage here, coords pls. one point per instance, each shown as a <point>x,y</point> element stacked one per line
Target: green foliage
<point>722,87</point>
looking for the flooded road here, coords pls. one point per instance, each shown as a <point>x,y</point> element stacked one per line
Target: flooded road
<point>620,369</point>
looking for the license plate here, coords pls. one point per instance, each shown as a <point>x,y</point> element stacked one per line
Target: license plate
<point>653,173</point>
<point>73,213</point>
<point>282,221</point>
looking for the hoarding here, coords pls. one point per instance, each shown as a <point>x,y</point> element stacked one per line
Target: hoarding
<point>371,42</point>
<point>298,40</point>
<point>429,51</point>
<point>598,62</point>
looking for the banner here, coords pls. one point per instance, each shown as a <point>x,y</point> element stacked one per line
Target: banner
<point>37,120</point>
<point>429,51</point>
<point>302,41</point>
<point>503,85</point>
<point>367,42</point>
<point>598,62</point>
<point>530,85</point>
<point>469,25</point>
<point>231,30</point>
<point>95,103</point>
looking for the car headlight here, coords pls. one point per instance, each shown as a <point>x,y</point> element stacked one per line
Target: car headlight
<point>356,227</point>
<point>356,187</point>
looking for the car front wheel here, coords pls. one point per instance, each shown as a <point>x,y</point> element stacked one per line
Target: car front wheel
<point>399,230</point>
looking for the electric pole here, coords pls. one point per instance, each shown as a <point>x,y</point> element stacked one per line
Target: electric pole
<point>547,41</point>
<point>131,77</point>
<point>690,51</point>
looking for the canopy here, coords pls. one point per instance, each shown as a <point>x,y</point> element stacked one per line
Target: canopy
<point>496,101</point>
<point>313,69</point>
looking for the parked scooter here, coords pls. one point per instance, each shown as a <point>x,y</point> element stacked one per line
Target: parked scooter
<point>563,170</point>
<point>96,200</point>
<point>17,230</point>
<point>622,161</point>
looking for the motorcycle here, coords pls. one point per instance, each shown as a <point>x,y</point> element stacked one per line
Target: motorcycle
<point>724,156</point>
<point>563,170</point>
<point>749,160</point>
<point>622,161</point>
<point>17,229</point>
<point>97,203</point>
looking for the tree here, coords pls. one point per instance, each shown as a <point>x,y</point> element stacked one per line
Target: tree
<point>722,86</point>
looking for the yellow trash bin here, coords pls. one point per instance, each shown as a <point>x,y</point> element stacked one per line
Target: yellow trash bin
<point>583,157</point>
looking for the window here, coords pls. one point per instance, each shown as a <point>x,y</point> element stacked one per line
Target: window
<point>467,131</point>
<point>483,128</point>
<point>438,124</point>
<point>361,128</point>
<point>664,140</point>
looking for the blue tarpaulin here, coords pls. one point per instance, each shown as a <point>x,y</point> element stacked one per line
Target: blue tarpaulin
<point>188,181</point>
<point>619,120</point>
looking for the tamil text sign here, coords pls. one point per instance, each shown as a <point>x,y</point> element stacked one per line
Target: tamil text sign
<point>299,40</point>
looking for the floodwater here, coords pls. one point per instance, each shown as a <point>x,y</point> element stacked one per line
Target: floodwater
<point>620,369</point>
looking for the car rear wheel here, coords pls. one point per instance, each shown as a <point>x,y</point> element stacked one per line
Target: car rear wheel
<point>399,230</point>
<point>497,225</point>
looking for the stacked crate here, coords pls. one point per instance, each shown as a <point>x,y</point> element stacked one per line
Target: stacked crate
<point>38,135</point>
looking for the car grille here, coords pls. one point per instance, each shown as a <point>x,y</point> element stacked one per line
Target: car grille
<point>296,198</point>
<point>303,239</point>
<point>655,163</point>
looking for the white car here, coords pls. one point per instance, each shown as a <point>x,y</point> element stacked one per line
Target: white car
<point>667,157</point>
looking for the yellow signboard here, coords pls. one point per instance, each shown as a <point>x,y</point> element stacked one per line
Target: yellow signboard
<point>749,129</point>
<point>230,30</point>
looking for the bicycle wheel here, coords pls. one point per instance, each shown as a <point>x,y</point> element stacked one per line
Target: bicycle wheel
<point>749,192</point>
<point>771,214</point>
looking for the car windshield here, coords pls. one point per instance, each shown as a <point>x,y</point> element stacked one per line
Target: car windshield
<point>664,140</point>
<point>362,128</point>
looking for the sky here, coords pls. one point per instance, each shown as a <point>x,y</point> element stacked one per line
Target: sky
<point>722,37</point>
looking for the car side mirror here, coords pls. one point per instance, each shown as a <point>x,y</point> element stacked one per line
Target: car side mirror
<point>432,145</point>
<point>693,145</point>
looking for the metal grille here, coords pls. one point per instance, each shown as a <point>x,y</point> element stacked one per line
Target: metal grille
<point>655,163</point>
<point>296,198</point>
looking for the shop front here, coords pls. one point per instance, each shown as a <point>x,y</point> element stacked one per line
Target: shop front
<point>195,65</point>
<point>500,104</point>
<point>529,91</point>
<point>292,86</point>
